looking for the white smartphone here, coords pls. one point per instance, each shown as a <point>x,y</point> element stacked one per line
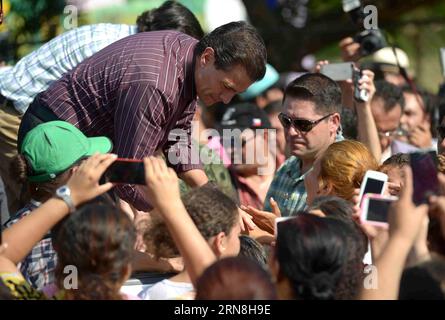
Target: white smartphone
<point>373,182</point>
<point>375,208</point>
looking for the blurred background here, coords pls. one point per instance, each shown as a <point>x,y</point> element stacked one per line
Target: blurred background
<point>297,32</point>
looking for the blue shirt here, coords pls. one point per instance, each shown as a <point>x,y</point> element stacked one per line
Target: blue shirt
<point>36,71</point>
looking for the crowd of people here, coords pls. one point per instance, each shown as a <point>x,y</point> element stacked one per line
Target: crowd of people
<point>270,207</point>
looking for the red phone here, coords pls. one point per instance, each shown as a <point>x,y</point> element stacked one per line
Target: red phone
<point>126,171</point>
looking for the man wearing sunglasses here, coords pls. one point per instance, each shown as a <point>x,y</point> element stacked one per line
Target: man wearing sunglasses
<point>311,121</point>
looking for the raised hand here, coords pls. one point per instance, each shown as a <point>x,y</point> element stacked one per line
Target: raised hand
<point>84,183</point>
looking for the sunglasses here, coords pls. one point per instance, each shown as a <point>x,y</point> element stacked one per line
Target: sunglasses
<point>302,125</point>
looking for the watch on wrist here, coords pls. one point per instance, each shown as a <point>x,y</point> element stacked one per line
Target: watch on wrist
<point>64,193</point>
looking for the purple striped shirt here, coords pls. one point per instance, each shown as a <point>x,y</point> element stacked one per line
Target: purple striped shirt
<point>134,91</point>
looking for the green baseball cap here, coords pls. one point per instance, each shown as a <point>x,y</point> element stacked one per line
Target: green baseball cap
<point>53,147</point>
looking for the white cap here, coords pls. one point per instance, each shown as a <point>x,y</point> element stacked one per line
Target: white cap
<point>386,55</point>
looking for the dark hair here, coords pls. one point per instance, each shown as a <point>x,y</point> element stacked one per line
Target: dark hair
<point>312,253</point>
<point>425,281</point>
<point>391,94</point>
<point>236,43</point>
<point>349,123</point>
<point>316,87</point>
<point>98,239</point>
<point>398,160</point>
<point>333,206</point>
<point>170,16</point>
<point>252,249</point>
<point>338,208</point>
<point>40,191</point>
<point>211,211</point>
<point>235,278</point>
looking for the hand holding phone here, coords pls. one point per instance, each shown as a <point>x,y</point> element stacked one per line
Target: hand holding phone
<point>346,71</point>
<point>126,171</point>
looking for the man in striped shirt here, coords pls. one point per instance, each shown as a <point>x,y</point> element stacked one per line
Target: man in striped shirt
<point>33,74</point>
<point>140,88</point>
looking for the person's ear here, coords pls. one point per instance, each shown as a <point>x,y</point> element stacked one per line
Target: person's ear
<point>334,123</point>
<point>324,188</point>
<point>71,172</point>
<point>219,243</point>
<point>328,188</point>
<point>207,56</point>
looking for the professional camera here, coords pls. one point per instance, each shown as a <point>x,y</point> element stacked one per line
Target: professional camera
<point>370,40</point>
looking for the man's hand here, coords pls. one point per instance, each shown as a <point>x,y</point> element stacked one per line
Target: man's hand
<point>263,219</point>
<point>350,50</point>
<point>245,221</point>
<point>84,183</point>
<point>421,136</point>
<point>162,182</point>
<point>319,64</point>
<point>367,83</point>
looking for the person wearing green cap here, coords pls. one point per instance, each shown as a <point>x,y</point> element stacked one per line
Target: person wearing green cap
<point>50,153</point>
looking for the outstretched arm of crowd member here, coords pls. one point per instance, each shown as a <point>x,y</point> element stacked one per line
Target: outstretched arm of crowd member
<point>405,222</point>
<point>367,130</point>
<point>84,186</point>
<point>264,219</point>
<point>163,192</point>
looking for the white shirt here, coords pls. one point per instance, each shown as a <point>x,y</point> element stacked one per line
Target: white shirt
<point>166,290</point>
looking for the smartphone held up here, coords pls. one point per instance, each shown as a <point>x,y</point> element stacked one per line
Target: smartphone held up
<point>346,71</point>
<point>375,209</point>
<point>373,182</point>
<point>126,171</point>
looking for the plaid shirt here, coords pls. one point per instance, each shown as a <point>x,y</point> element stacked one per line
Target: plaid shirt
<point>39,265</point>
<point>287,187</point>
<point>35,72</point>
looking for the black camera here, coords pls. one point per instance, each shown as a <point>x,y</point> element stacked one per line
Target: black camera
<point>370,41</point>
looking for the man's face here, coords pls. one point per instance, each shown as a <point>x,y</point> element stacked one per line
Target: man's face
<point>215,85</point>
<point>385,121</point>
<point>309,145</point>
<point>413,114</point>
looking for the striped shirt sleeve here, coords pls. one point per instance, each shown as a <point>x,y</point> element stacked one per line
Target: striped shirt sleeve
<point>140,113</point>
